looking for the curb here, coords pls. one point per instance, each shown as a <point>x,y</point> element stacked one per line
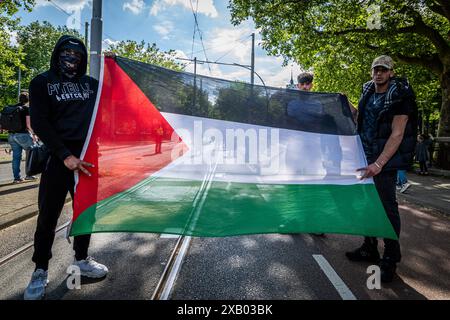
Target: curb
<point>21,215</point>
<point>425,205</point>
<point>439,172</point>
<point>9,161</point>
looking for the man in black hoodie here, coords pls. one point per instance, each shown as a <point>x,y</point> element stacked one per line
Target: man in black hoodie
<point>62,100</point>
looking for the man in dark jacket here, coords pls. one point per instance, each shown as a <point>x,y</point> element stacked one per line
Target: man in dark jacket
<point>387,125</point>
<point>61,105</point>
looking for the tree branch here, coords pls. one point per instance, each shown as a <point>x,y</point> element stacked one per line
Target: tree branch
<point>419,27</point>
<point>432,34</point>
<point>443,8</point>
<point>410,29</point>
<point>432,63</point>
<point>440,10</point>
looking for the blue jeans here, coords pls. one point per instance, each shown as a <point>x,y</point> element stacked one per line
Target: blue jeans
<point>401,177</point>
<point>18,142</point>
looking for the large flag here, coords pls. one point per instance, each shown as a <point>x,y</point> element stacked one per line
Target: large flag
<point>187,154</point>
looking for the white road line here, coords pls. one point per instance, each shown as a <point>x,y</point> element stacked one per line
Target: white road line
<point>334,278</point>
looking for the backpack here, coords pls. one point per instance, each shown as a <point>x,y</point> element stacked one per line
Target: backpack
<point>10,119</point>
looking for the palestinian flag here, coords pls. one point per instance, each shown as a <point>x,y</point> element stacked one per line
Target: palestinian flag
<point>187,154</point>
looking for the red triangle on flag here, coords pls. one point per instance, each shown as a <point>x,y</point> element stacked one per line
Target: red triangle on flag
<point>129,142</point>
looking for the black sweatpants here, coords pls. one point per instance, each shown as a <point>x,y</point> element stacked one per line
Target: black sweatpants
<point>56,181</point>
<point>385,183</point>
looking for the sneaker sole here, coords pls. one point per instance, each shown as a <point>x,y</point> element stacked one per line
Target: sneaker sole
<point>37,298</point>
<point>403,191</point>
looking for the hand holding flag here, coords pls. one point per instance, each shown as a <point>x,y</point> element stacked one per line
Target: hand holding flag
<point>369,171</point>
<point>73,163</point>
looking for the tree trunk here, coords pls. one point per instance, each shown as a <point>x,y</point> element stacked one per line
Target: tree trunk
<point>444,121</point>
<point>443,155</point>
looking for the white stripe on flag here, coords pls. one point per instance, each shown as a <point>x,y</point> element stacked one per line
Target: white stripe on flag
<point>271,155</point>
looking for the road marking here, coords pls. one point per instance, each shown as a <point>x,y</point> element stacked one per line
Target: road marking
<point>334,278</point>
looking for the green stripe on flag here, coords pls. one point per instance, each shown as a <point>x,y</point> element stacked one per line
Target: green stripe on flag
<point>217,209</point>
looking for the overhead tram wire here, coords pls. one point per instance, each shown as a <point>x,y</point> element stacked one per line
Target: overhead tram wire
<point>195,29</point>
<point>232,48</point>
<point>224,45</point>
<point>199,33</point>
<point>193,36</point>
<point>70,15</point>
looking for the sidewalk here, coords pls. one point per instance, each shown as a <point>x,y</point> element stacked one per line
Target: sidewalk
<point>18,202</point>
<point>428,191</point>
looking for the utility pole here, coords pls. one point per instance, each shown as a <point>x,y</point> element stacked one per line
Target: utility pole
<point>86,34</point>
<point>252,76</point>
<point>19,83</point>
<point>96,39</point>
<point>195,82</point>
<point>86,43</point>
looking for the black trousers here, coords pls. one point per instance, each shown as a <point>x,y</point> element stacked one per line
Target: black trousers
<point>385,183</point>
<point>56,181</point>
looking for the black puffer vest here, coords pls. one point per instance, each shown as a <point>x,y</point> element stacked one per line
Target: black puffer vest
<point>399,92</point>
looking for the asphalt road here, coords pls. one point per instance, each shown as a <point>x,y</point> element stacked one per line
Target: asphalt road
<point>271,266</point>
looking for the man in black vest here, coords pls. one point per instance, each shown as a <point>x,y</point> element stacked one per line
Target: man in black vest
<point>61,105</point>
<point>387,125</point>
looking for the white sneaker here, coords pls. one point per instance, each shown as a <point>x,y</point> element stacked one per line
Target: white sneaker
<point>36,288</point>
<point>405,187</point>
<point>90,268</point>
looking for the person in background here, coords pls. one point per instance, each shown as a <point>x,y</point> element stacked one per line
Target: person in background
<point>22,139</point>
<point>305,81</point>
<point>402,181</point>
<point>422,154</point>
<point>428,140</point>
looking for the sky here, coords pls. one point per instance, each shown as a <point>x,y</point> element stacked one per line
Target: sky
<point>170,24</point>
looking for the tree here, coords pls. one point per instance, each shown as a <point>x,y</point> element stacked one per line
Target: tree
<point>37,41</point>
<point>338,40</point>
<point>145,53</point>
<point>10,55</point>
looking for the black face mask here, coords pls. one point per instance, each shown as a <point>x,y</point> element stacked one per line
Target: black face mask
<point>69,62</point>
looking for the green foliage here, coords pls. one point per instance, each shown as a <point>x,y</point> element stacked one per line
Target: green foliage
<point>336,39</point>
<point>37,41</point>
<point>146,53</point>
<point>10,56</point>
<point>10,7</point>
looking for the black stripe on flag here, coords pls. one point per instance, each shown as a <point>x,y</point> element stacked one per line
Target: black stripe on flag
<point>201,96</point>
